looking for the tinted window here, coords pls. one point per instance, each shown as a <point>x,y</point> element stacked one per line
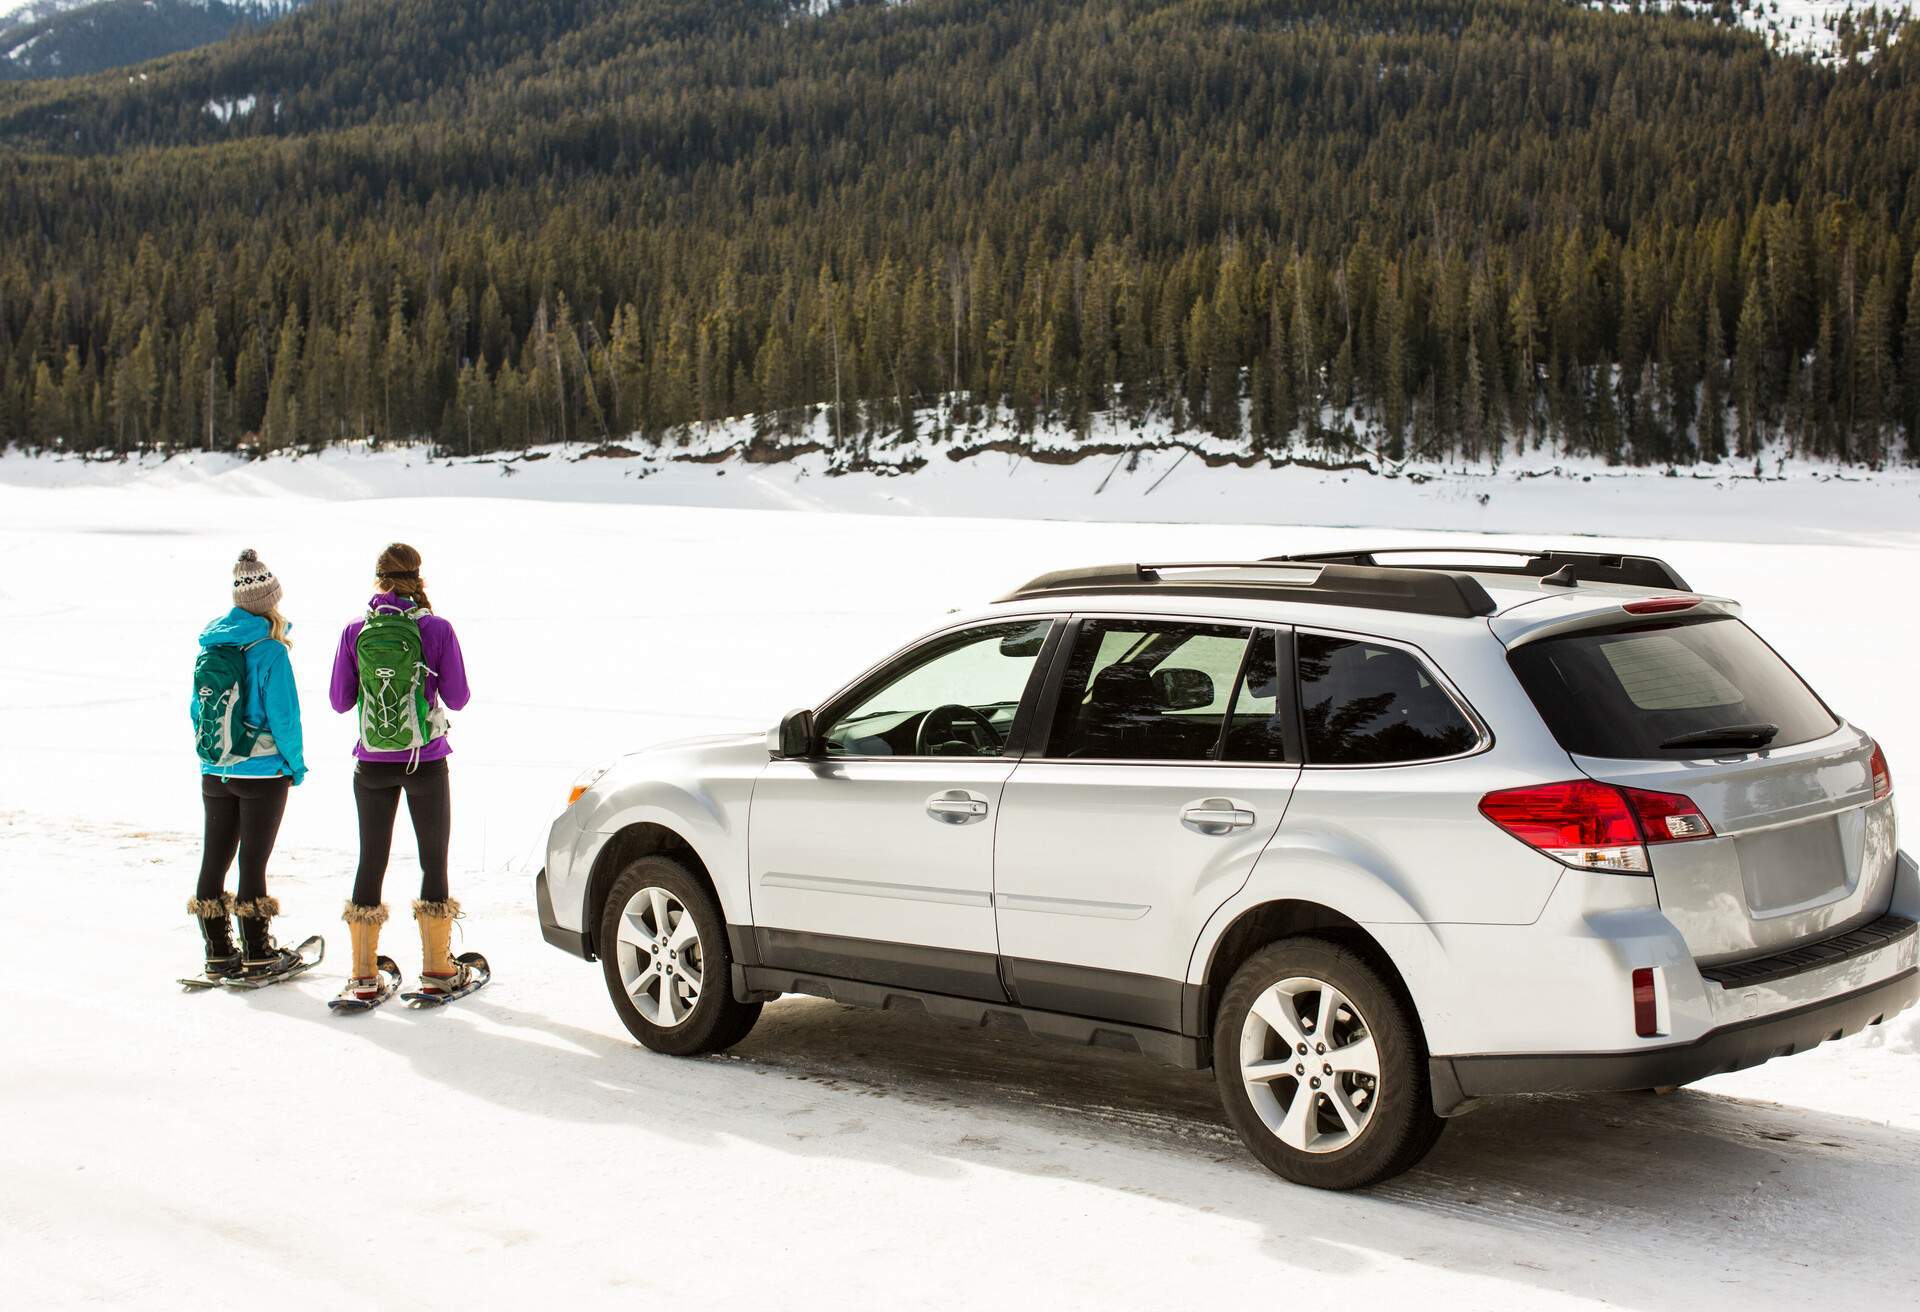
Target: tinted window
<point>955,697</point>
<point>1141,690</point>
<point>1365,704</point>
<point>1627,692</point>
<point>1255,730</point>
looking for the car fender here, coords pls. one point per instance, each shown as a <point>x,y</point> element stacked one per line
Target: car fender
<point>699,791</point>
<point>1331,869</point>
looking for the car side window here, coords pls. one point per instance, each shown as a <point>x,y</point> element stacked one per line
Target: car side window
<point>1147,690</point>
<point>1255,728</point>
<point>1364,703</point>
<point>957,696</point>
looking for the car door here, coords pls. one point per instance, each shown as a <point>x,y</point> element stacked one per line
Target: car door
<point>1166,768</point>
<point>873,859</point>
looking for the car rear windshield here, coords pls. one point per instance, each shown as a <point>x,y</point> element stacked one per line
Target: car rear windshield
<point>1628,692</point>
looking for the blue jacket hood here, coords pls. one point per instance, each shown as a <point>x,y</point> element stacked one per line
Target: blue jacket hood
<point>237,628</point>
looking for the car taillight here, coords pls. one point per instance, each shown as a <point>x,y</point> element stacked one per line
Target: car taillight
<point>1667,817</point>
<point>1660,605</point>
<point>1882,777</point>
<point>1594,826</point>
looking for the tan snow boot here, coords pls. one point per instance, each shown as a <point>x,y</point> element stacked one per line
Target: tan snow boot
<point>439,972</point>
<point>363,926</point>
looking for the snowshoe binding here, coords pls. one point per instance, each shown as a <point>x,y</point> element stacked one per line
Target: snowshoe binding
<point>470,975</point>
<point>364,993</point>
<point>281,966</point>
<point>266,962</point>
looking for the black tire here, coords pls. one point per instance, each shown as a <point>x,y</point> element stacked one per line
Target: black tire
<point>717,1021</point>
<point>1402,1127</point>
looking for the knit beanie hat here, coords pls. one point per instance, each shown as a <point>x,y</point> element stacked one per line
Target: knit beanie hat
<point>255,589</point>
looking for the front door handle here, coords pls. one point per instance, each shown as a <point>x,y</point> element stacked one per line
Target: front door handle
<point>957,807</point>
<point>1216,815</point>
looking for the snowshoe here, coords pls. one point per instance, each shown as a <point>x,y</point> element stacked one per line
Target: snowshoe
<point>282,966</point>
<point>434,991</point>
<point>366,994</point>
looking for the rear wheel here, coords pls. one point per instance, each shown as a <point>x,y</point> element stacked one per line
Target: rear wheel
<point>1322,1068</point>
<point>665,958</point>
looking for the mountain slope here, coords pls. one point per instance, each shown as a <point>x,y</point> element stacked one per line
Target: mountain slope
<point>1450,226</point>
<point>70,38</point>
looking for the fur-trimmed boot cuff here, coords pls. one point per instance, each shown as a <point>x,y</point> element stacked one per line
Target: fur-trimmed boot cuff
<point>210,908</point>
<point>355,914</point>
<point>261,908</point>
<point>447,910</point>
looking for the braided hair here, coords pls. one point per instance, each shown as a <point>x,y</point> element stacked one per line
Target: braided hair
<point>398,571</point>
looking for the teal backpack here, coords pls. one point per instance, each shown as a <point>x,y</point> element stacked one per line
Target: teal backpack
<point>394,715</point>
<point>221,733</point>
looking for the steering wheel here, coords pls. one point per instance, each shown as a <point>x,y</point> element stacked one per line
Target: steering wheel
<point>949,718</point>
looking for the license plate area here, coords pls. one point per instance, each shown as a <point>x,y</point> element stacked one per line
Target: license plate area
<point>1793,867</point>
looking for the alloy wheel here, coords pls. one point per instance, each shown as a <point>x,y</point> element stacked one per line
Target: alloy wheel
<point>1308,1061</point>
<point>661,963</point>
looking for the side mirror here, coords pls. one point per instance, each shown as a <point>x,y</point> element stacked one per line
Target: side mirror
<point>1177,689</point>
<point>794,738</point>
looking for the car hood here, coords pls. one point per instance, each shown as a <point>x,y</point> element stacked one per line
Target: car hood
<point>682,746</point>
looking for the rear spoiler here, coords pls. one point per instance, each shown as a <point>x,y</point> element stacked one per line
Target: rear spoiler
<point>1549,617</point>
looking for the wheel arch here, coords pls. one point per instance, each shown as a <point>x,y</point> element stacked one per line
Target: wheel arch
<point>628,844</point>
<point>1269,922</point>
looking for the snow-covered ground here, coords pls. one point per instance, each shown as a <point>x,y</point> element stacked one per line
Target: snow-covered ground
<point>165,1150</point>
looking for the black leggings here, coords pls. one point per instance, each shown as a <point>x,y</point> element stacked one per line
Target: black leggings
<point>377,786</point>
<point>242,815</point>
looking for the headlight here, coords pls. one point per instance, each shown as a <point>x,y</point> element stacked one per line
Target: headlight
<point>586,779</point>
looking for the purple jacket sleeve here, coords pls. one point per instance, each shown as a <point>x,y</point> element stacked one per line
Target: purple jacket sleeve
<point>346,673</point>
<point>452,669</point>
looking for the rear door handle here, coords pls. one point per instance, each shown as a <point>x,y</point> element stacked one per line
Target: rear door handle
<point>956,807</point>
<point>1217,815</point>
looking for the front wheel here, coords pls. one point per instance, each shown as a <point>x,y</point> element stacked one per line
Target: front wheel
<point>665,958</point>
<point>1322,1067</point>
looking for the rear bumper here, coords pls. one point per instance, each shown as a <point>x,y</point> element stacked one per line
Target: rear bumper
<point>1457,1080</point>
<point>567,940</point>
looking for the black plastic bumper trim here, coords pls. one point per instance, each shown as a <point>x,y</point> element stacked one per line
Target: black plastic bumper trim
<point>567,940</point>
<point>1856,942</point>
<point>1729,1048</point>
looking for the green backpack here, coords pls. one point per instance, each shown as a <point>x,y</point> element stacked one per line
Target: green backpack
<point>394,715</point>
<point>221,734</point>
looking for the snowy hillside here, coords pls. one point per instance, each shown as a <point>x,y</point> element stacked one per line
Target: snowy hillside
<point>64,38</point>
<point>521,1151</point>
<point>1819,28</point>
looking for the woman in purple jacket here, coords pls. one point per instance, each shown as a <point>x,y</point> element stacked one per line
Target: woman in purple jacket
<point>380,777</point>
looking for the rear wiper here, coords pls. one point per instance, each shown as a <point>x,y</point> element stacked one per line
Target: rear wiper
<point>1727,735</point>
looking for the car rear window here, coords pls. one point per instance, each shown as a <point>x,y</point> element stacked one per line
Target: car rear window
<point>1624,692</point>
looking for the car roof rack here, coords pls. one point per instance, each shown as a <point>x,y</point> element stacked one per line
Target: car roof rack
<point>1561,568</point>
<point>1326,583</point>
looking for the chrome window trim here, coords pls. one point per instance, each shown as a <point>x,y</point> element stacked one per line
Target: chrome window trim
<point>1440,681</point>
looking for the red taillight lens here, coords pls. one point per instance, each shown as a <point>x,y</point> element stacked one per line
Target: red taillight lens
<point>1646,1004</point>
<point>1595,826</point>
<point>1667,817</point>
<point>1580,822</point>
<point>1882,777</point>
<point>1660,605</point>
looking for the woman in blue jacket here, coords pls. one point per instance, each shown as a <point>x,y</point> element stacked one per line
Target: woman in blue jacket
<point>248,734</point>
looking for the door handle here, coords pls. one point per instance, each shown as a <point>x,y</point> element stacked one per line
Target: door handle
<point>1217,815</point>
<point>956,807</point>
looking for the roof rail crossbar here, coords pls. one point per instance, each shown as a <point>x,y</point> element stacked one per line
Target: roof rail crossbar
<point>1566,568</point>
<point>1333,583</point>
